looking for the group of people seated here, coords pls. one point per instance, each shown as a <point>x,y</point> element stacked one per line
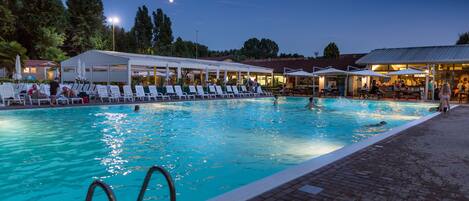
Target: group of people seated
<point>55,92</point>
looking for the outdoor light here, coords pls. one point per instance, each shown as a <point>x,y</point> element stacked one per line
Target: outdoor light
<point>113,21</point>
<point>171,1</point>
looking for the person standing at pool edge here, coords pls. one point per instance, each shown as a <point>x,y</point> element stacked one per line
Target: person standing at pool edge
<point>54,85</point>
<point>445,95</point>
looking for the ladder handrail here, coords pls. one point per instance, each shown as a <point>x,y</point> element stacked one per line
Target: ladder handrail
<point>172,190</point>
<point>97,183</point>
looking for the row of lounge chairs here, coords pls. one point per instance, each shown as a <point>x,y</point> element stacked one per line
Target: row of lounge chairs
<point>112,93</point>
<point>18,93</point>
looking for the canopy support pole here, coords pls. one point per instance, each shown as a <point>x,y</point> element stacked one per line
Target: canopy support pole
<point>426,84</point>
<point>154,75</point>
<point>272,80</point>
<point>179,76</point>
<point>239,77</point>
<point>108,74</point>
<point>225,77</point>
<point>434,81</point>
<point>129,73</point>
<point>61,74</point>
<point>206,76</point>
<point>91,74</point>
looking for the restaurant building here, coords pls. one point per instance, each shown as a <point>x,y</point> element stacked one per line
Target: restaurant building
<point>440,63</point>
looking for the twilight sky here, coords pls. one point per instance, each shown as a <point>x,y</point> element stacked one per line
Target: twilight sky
<point>306,26</point>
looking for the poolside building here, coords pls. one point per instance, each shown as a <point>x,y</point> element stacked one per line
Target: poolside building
<point>440,64</point>
<point>36,70</point>
<point>108,66</point>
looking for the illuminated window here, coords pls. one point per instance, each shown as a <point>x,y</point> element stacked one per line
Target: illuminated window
<point>33,70</point>
<point>398,67</point>
<point>26,70</point>
<point>379,67</point>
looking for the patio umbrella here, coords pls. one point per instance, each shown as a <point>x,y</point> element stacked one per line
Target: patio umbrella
<point>330,71</point>
<point>17,75</point>
<point>300,74</point>
<point>409,71</point>
<point>367,73</point>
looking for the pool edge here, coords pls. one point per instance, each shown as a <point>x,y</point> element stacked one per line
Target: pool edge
<point>268,183</point>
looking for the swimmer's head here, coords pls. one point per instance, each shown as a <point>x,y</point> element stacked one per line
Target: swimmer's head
<point>276,96</point>
<point>137,108</point>
<point>383,123</point>
<point>311,99</point>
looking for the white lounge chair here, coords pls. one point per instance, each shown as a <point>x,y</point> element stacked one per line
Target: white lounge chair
<point>140,93</point>
<point>193,91</point>
<point>262,92</point>
<point>201,92</point>
<point>182,94</point>
<point>103,93</point>
<point>116,93</point>
<point>229,90</point>
<point>170,90</point>
<point>7,95</point>
<point>213,91</point>
<point>245,91</point>
<point>154,93</point>
<point>44,89</point>
<point>236,92</point>
<point>128,94</point>
<point>222,93</point>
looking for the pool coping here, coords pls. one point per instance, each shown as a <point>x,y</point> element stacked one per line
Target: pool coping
<point>268,183</point>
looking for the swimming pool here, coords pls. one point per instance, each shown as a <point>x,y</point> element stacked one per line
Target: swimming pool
<point>209,147</point>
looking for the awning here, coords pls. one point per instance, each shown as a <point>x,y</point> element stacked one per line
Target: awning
<point>367,73</point>
<point>299,74</point>
<point>409,71</point>
<point>330,71</point>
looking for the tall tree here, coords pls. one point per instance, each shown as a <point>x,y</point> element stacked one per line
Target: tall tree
<point>7,23</point>
<point>143,31</point>
<point>32,16</point>
<point>260,49</point>
<point>463,39</point>
<point>163,33</point>
<point>48,45</point>
<point>331,51</point>
<point>8,52</point>
<point>86,25</point>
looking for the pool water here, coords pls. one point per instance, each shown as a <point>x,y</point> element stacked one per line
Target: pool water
<point>209,147</point>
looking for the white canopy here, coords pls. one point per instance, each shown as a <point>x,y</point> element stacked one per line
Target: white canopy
<point>330,71</point>
<point>367,73</point>
<point>300,73</point>
<point>409,71</point>
<point>123,64</point>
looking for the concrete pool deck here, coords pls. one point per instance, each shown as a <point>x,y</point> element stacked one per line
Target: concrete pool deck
<point>429,161</point>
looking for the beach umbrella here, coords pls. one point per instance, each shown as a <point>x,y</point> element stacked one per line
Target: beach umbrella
<point>78,70</point>
<point>367,73</point>
<point>409,71</point>
<point>17,75</point>
<point>83,71</point>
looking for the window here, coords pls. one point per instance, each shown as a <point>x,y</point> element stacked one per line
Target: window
<point>33,70</point>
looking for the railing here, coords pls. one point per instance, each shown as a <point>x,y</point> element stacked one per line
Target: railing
<point>110,194</point>
<point>172,189</point>
<point>97,183</point>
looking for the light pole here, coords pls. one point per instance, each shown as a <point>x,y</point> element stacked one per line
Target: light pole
<point>113,21</point>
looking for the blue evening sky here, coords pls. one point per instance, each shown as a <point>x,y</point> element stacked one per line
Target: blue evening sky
<point>306,26</point>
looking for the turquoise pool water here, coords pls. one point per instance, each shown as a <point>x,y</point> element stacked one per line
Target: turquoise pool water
<point>209,147</point>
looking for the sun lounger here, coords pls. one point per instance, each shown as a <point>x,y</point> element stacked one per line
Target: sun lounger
<point>103,93</point>
<point>182,94</point>
<point>140,93</point>
<point>229,90</point>
<point>128,94</point>
<point>116,93</point>
<point>201,92</point>
<point>170,90</point>
<point>7,95</point>
<point>245,91</point>
<point>213,91</point>
<point>236,92</point>
<point>262,92</point>
<point>222,93</point>
<point>154,93</point>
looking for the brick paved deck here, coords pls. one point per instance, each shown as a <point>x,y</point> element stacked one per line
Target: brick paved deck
<point>426,162</point>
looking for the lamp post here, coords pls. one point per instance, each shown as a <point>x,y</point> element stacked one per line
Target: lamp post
<point>113,21</point>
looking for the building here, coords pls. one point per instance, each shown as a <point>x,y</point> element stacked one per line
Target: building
<point>36,70</point>
<point>441,63</point>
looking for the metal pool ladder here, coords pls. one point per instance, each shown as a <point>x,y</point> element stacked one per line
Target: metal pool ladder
<point>110,194</point>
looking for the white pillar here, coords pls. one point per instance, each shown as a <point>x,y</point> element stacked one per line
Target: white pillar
<point>226,76</point>
<point>425,96</point>
<point>272,80</point>
<point>91,75</point>
<point>218,73</point>
<point>108,74</point>
<point>434,81</point>
<point>167,74</point>
<point>129,73</point>
<point>206,75</point>
<point>179,72</point>
<point>239,78</point>
<point>61,74</point>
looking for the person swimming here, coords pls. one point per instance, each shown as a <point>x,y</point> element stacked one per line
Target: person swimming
<point>311,104</point>
<point>382,123</point>
<point>137,108</point>
<point>275,99</point>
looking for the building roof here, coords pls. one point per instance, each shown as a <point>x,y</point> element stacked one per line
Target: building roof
<point>307,64</point>
<point>40,63</point>
<point>418,55</point>
<point>104,58</point>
